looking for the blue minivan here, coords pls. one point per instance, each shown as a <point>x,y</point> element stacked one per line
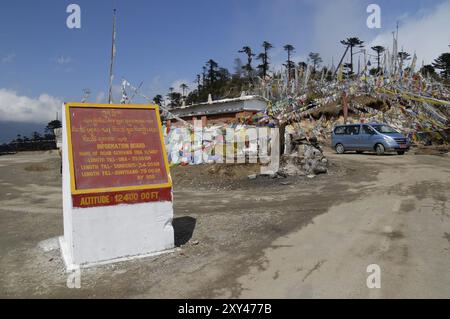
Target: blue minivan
<point>380,138</point>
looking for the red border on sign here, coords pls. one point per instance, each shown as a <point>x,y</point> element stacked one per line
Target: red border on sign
<point>123,197</point>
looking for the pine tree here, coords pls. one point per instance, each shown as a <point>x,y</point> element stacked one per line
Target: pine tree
<point>264,57</point>
<point>289,64</point>
<point>248,67</point>
<point>315,59</point>
<point>443,63</point>
<point>379,50</point>
<point>352,43</point>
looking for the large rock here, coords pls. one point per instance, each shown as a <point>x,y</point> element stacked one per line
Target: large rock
<point>314,161</point>
<point>292,165</point>
<point>306,160</point>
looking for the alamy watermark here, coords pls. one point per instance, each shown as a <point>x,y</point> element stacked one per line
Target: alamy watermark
<point>74,279</point>
<point>224,145</point>
<point>374,19</point>
<point>74,19</point>
<point>374,279</point>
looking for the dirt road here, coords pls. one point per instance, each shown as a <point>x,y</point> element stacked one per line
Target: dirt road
<point>284,238</point>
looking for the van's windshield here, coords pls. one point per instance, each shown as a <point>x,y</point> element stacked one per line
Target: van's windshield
<point>384,129</point>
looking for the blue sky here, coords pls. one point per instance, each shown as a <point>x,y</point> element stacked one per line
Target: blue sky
<point>167,42</point>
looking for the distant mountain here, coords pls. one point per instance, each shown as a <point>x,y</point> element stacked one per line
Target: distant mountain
<point>9,130</point>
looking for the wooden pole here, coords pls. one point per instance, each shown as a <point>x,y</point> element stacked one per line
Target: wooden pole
<point>113,54</point>
<point>342,59</point>
<point>345,106</point>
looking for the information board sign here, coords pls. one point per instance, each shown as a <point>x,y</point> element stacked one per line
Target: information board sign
<point>116,155</point>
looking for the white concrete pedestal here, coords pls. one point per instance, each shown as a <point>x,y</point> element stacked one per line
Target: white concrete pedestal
<point>99,235</point>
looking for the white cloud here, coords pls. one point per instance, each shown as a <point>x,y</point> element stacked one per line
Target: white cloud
<point>16,108</point>
<point>176,85</point>
<point>8,58</point>
<point>425,31</point>
<point>335,21</point>
<point>427,35</point>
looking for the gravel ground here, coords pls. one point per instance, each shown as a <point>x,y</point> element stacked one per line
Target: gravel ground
<point>235,237</point>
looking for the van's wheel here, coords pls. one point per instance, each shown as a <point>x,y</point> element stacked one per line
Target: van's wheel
<point>379,148</point>
<point>340,149</point>
<point>401,152</point>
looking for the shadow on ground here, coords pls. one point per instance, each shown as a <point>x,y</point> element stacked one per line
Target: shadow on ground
<point>184,229</point>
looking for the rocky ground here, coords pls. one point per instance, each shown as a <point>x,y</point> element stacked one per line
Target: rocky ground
<point>239,237</point>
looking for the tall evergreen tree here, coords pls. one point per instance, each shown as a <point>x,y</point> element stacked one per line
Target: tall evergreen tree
<point>51,126</point>
<point>211,66</point>
<point>248,67</point>
<point>198,83</point>
<point>379,50</point>
<point>264,57</point>
<point>428,70</point>
<point>204,76</point>
<point>403,56</point>
<point>183,87</point>
<point>174,98</point>
<point>443,63</point>
<point>315,59</point>
<point>352,43</point>
<point>289,64</point>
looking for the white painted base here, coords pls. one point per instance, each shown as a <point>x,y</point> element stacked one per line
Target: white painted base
<point>66,255</point>
<point>97,234</point>
<point>70,266</point>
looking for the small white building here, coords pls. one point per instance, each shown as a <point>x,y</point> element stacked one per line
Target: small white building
<point>221,111</point>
